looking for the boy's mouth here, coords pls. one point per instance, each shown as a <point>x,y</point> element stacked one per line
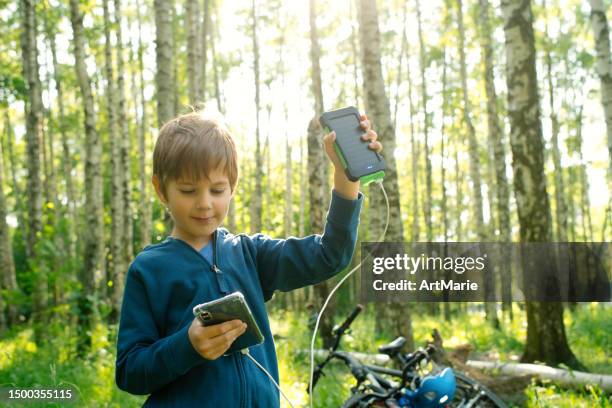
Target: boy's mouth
<point>203,219</point>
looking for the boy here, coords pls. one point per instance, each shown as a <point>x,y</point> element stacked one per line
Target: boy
<point>161,349</point>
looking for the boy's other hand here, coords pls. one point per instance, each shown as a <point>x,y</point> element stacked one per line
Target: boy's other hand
<point>342,184</point>
<point>212,341</point>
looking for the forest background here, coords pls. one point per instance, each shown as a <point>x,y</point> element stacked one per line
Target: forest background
<point>496,120</point>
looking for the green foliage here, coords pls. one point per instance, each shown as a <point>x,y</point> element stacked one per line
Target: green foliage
<point>573,57</point>
<point>551,396</point>
<point>506,345</point>
<point>54,363</point>
<point>11,85</point>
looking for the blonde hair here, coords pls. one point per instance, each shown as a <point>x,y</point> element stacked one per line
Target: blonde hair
<point>191,146</point>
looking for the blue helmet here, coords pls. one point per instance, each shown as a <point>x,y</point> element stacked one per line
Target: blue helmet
<point>435,390</point>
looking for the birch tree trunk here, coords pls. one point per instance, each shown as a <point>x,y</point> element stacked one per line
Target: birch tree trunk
<point>93,240</point>
<point>424,98</point>
<point>117,239</point>
<point>15,185</point>
<point>203,51</point>
<point>489,278</point>
<point>497,143</point>
<point>8,279</point>
<point>144,202</point>
<point>316,172</point>
<point>266,202</point>
<point>546,339</point>
<point>214,36</point>
<point>459,194</point>
<point>585,202</point>
<point>443,205</point>
<point>51,208</point>
<point>163,50</point>
<point>50,180</point>
<point>66,162</point>
<point>125,146</point>
<point>473,143</point>
<point>560,203</point>
<point>601,30</point>
<point>192,11</point>
<point>34,129</point>
<point>400,64</point>
<point>176,24</point>
<point>45,164</point>
<point>414,148</point>
<point>378,110</point>
<point>288,216</point>
<point>355,54</point>
<point>256,199</point>
<point>302,182</point>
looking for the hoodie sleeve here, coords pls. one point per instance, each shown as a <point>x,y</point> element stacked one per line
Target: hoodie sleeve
<point>145,362</point>
<point>287,264</point>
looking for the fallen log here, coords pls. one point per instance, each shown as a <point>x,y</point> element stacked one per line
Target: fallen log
<point>561,376</point>
<point>376,359</point>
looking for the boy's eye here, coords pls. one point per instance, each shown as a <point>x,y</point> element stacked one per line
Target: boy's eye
<point>218,191</point>
<point>187,191</point>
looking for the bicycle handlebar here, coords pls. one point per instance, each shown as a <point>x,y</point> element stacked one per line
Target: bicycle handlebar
<point>338,332</point>
<point>357,369</point>
<point>344,326</point>
<point>415,359</point>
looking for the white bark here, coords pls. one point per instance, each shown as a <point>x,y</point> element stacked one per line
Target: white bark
<point>34,128</point>
<point>603,67</point>
<point>7,265</point>
<point>144,204</point>
<point>93,265</point>
<point>563,377</point>
<point>125,146</point>
<point>256,200</point>
<point>163,77</point>
<point>424,99</point>
<point>192,12</point>
<point>117,239</point>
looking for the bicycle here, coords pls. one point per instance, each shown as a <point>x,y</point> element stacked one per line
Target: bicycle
<point>387,387</point>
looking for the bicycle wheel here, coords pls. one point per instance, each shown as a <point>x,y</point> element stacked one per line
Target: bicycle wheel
<point>472,394</point>
<point>362,400</point>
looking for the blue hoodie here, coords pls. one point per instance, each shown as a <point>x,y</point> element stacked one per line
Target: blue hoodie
<point>165,282</point>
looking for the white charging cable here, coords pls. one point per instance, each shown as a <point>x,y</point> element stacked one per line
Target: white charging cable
<point>246,353</point>
<point>314,334</point>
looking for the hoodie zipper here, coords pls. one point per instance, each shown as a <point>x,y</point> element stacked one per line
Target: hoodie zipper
<point>224,291</point>
<point>220,278</point>
<point>218,273</point>
<point>241,375</point>
<point>237,356</point>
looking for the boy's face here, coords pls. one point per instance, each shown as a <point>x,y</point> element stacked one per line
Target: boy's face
<point>198,207</point>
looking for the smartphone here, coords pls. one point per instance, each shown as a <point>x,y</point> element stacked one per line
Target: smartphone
<point>359,161</point>
<point>231,307</point>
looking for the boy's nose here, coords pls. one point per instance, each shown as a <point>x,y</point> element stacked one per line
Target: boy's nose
<point>204,202</point>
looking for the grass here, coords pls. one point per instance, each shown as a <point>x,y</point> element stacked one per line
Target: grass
<point>589,333</point>
<point>54,365</point>
<point>92,379</point>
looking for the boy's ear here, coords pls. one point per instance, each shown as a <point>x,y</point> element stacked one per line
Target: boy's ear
<point>158,189</point>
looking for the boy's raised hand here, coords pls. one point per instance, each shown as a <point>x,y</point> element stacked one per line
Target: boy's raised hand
<point>212,341</point>
<point>342,184</point>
